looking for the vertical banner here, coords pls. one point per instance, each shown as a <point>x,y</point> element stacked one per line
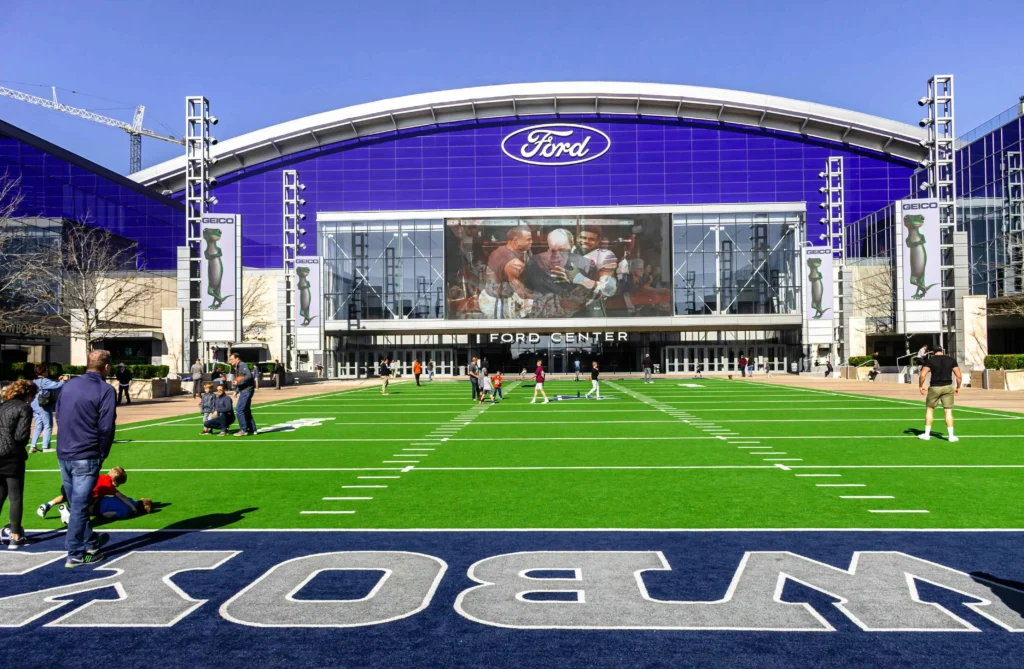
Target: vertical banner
<point>920,268</point>
<point>308,301</point>
<point>818,294</point>
<point>221,277</point>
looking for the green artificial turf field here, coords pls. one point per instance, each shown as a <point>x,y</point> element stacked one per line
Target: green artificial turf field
<point>681,453</point>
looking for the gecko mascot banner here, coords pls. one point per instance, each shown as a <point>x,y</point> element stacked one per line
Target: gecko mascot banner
<point>221,277</point>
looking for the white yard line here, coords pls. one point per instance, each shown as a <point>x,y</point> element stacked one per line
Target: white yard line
<point>898,511</point>
<point>866,497</point>
<point>325,513</point>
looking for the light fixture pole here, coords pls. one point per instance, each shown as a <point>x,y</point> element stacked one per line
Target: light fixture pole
<point>198,201</point>
<point>292,245</point>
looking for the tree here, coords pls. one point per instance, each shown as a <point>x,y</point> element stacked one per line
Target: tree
<point>24,252</point>
<point>257,314</point>
<point>874,295</point>
<point>95,281</point>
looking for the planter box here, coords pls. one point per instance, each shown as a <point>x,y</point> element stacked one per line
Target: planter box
<point>147,389</point>
<point>997,379</point>
<point>1014,379</point>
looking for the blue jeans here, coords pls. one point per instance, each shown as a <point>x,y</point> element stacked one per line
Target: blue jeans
<point>43,424</point>
<point>79,478</point>
<point>246,423</point>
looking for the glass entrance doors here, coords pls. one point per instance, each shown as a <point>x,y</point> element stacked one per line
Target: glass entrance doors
<point>684,359</point>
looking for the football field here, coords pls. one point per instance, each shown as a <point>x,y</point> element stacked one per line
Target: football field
<point>684,523</point>
<point>703,453</point>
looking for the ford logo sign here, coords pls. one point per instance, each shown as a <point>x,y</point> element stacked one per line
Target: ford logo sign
<point>556,144</point>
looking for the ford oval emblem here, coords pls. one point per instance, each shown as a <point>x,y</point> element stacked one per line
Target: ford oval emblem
<point>556,144</point>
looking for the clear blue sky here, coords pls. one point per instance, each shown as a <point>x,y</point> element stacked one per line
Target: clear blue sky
<point>263,62</point>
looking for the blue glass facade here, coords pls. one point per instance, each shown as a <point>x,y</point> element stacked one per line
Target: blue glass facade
<point>54,183</point>
<point>461,166</point>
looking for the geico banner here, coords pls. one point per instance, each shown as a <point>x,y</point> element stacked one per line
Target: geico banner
<point>817,271</point>
<point>921,275</point>
<point>308,299</point>
<point>221,277</point>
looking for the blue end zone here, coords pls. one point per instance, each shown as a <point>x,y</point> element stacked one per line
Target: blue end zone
<point>702,566</point>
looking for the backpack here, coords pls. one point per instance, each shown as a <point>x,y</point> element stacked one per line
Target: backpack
<point>45,398</point>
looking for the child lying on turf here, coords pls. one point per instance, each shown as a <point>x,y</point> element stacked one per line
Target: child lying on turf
<point>106,484</point>
<point>112,508</point>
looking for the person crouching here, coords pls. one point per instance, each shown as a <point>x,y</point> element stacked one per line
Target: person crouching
<point>206,404</point>
<point>223,413</point>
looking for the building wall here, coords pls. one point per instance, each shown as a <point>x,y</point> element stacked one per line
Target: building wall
<point>461,166</point>
<point>55,183</point>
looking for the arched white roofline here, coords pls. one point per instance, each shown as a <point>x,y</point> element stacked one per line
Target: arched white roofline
<point>546,99</point>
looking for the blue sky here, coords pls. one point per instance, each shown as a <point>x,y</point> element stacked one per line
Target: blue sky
<point>263,62</point>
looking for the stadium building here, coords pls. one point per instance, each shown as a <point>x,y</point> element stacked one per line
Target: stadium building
<point>597,220</point>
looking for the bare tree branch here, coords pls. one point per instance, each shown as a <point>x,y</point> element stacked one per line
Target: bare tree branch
<point>874,296</point>
<point>257,314</point>
<point>23,252</point>
<point>96,283</point>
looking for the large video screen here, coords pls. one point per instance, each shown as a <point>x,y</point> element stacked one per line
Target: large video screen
<point>571,267</point>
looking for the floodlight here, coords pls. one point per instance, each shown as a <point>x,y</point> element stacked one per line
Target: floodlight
<point>302,186</point>
<point>301,201</point>
<point>301,231</point>
<point>925,122</point>
<point>822,175</point>
<point>213,120</point>
<point>212,181</point>
<point>924,101</point>
<point>821,205</point>
<point>302,246</point>
<point>213,141</point>
<point>926,163</point>
<point>925,186</point>
<point>301,217</point>
<point>822,189</point>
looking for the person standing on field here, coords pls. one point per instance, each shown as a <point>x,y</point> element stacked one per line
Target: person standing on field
<point>245,387</point>
<point>15,427</point>
<point>385,376</point>
<point>197,378</point>
<point>417,369</point>
<point>538,375</point>
<point>430,371</point>
<point>86,416</point>
<point>743,365</point>
<point>943,370</point>
<point>648,369</point>
<point>576,364</point>
<point>42,408</point>
<point>124,383</point>
<point>474,378</point>
<point>594,388</point>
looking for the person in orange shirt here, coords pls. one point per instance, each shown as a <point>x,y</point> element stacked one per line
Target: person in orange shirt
<point>417,369</point>
<point>496,381</point>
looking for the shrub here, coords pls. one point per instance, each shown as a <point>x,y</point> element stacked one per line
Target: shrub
<point>1005,361</point>
<point>858,360</point>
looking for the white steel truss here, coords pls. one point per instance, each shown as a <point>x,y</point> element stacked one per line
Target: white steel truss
<point>1013,224</point>
<point>941,169</point>
<point>292,231</point>
<point>197,203</point>
<point>834,206</point>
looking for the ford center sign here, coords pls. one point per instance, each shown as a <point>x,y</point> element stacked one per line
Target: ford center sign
<point>556,144</point>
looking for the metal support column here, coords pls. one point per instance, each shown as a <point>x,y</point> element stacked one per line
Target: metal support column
<point>292,245</point>
<point>834,221</point>
<point>941,166</point>
<point>1013,225</point>
<point>197,203</point>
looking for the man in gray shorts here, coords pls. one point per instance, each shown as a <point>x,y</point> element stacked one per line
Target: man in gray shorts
<point>943,369</point>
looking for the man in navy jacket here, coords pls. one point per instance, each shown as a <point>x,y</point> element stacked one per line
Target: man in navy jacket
<point>85,415</point>
<point>245,386</point>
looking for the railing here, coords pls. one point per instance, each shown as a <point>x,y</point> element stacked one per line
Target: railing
<point>904,372</point>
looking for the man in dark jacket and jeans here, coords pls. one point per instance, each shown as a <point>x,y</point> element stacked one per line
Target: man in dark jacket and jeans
<point>245,386</point>
<point>124,383</point>
<point>86,415</point>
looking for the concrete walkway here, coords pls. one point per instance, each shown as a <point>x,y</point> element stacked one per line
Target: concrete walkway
<point>1001,400</point>
<point>141,410</point>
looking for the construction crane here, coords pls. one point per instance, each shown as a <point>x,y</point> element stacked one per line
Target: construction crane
<point>134,129</point>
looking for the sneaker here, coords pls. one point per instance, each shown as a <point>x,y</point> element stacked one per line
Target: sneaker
<point>241,433</point>
<point>99,540</point>
<point>533,401</point>
<point>48,450</point>
<point>925,437</point>
<point>15,544</point>
<point>65,514</point>
<point>88,558</point>
<point>222,434</point>
<point>205,432</point>
<point>42,509</point>
<point>545,402</point>
<point>953,437</point>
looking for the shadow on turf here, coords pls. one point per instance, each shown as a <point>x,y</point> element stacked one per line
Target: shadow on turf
<point>1009,591</point>
<point>210,521</point>
<point>917,433</point>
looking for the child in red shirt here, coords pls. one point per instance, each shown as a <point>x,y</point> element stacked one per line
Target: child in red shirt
<point>106,485</point>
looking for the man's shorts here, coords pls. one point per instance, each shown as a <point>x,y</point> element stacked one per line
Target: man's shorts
<point>938,394</point>
<point>539,386</point>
